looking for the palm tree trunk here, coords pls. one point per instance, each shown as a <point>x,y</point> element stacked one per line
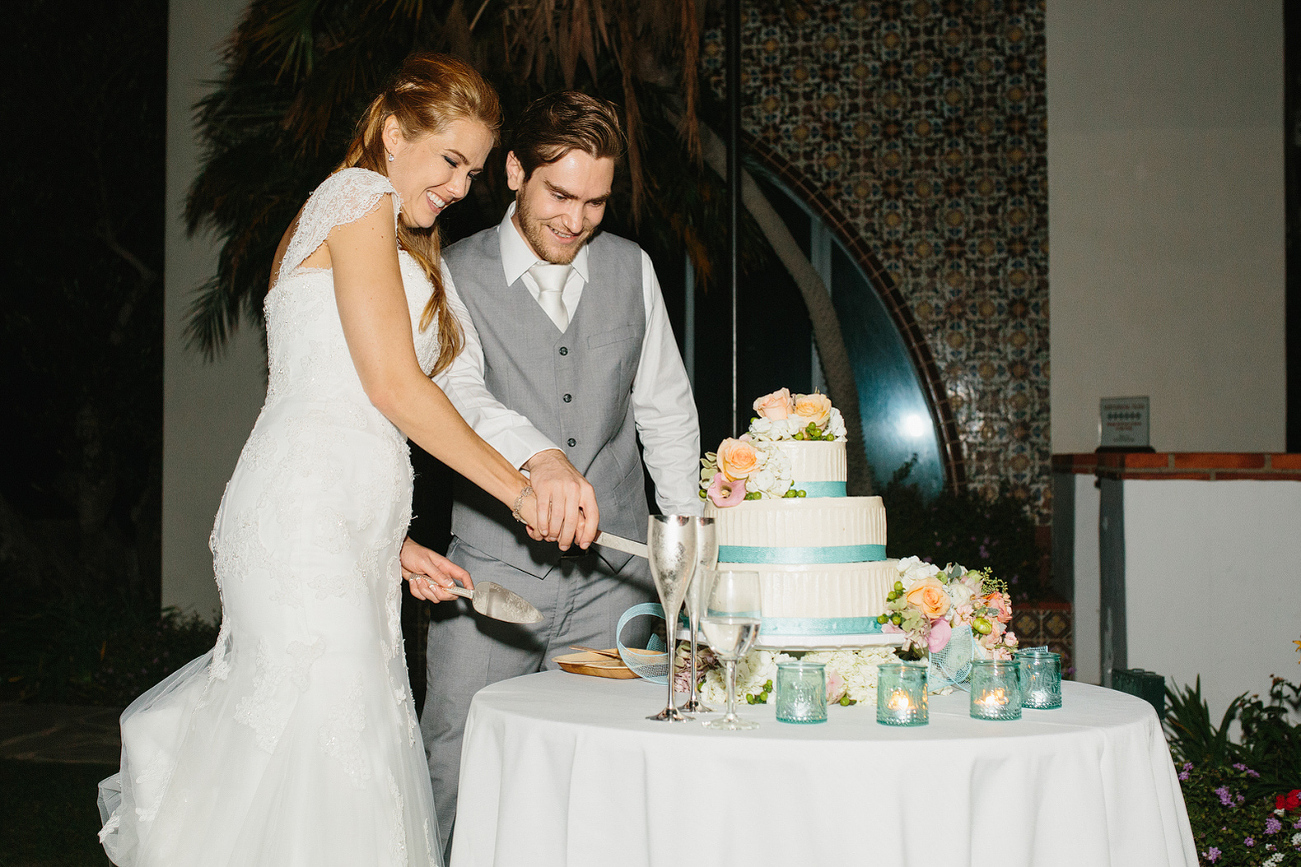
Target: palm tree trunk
<point>836,368</point>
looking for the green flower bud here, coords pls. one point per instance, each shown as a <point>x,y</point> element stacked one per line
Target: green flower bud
<point>802,494</point>
<point>702,493</point>
<point>749,699</point>
<point>799,435</point>
<point>883,619</point>
<point>982,626</point>
<point>898,585</point>
<point>846,701</point>
<point>896,618</point>
<point>790,494</point>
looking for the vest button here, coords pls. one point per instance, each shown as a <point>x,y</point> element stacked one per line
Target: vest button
<point>572,442</point>
<point>564,350</point>
<point>567,398</point>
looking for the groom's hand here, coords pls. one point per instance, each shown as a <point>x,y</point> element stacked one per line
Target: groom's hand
<point>429,573</point>
<point>567,511</point>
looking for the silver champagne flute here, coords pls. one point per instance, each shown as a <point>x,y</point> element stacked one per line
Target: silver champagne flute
<point>671,551</point>
<point>697,595</point>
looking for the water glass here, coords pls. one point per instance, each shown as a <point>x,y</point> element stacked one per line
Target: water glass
<point>901,694</point>
<point>801,692</point>
<point>995,689</point>
<point>1041,679</point>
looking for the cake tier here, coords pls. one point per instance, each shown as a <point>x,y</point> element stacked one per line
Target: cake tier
<point>837,590</point>
<point>817,468</point>
<point>800,531</point>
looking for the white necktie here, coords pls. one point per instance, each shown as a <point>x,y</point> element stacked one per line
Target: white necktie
<point>551,286</point>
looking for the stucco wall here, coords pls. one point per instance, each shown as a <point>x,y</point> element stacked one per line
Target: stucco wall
<point>208,409</point>
<point>1165,179</point>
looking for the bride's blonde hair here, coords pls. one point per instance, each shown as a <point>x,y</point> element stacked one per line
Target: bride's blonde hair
<point>427,93</point>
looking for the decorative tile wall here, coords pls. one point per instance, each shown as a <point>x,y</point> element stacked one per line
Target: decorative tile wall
<point>920,130</point>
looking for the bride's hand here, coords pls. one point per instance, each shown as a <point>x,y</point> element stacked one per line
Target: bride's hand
<point>429,574</point>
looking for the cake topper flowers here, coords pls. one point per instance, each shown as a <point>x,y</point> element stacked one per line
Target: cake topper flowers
<point>751,466</point>
<point>783,416</point>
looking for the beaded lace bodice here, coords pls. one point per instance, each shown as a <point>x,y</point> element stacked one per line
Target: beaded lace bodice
<point>307,355</point>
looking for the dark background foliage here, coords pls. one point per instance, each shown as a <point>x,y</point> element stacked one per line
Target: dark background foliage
<point>81,345</point>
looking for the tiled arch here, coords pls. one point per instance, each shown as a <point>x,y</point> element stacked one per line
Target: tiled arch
<point>923,360</point>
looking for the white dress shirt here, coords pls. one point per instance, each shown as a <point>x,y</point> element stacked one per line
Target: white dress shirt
<point>663,408</point>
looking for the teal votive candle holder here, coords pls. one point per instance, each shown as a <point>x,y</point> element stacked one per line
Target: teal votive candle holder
<point>995,689</point>
<point>801,692</point>
<point>901,694</point>
<point>1041,679</point>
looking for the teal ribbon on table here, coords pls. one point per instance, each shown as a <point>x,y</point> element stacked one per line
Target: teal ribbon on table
<point>820,489</point>
<point>819,626</point>
<point>654,668</point>
<point>801,556</point>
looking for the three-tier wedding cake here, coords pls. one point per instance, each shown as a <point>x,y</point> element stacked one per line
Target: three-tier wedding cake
<point>777,496</point>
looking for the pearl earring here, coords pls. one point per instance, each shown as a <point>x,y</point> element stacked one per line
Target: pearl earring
<point>390,157</point>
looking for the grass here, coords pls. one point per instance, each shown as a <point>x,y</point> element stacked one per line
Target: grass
<point>50,817</point>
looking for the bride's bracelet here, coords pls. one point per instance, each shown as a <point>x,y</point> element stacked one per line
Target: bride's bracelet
<point>519,501</point>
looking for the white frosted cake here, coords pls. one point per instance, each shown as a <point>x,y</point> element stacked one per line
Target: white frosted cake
<point>820,554</point>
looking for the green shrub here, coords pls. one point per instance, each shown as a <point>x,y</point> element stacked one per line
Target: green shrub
<point>104,651</point>
<point>966,528</point>
<point>1243,802</point>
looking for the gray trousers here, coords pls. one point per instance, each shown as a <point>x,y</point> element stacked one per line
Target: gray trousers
<point>580,600</point>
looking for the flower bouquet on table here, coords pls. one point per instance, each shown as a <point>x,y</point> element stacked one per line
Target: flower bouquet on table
<point>751,466</point>
<point>950,617</point>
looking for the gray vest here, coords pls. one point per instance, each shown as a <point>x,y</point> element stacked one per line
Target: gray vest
<point>576,388</point>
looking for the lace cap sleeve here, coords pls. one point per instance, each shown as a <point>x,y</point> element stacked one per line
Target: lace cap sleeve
<point>341,198</point>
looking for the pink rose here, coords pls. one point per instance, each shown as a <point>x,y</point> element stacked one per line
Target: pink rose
<point>775,406</point>
<point>930,596</point>
<point>1002,604</point>
<point>814,408</point>
<point>737,458</point>
<point>941,632</point>
<point>835,684</point>
<point>725,493</point>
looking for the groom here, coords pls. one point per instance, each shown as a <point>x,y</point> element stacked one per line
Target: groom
<point>570,334</point>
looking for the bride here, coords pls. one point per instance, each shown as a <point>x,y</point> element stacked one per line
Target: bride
<point>294,741</point>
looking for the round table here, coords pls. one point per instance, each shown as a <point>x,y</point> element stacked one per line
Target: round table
<point>561,769</point>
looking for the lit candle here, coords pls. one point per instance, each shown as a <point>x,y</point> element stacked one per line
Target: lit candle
<point>899,701</point>
<point>994,699</point>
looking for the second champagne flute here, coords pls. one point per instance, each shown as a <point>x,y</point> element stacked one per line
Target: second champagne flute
<point>697,595</point>
<point>731,624</point>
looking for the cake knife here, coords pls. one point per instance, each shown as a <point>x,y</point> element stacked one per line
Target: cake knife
<point>618,543</point>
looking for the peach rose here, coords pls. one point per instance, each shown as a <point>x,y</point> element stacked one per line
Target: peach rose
<point>775,406</point>
<point>814,408</point>
<point>930,596</point>
<point>737,458</point>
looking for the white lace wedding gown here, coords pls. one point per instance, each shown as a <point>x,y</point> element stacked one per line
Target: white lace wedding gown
<point>294,741</point>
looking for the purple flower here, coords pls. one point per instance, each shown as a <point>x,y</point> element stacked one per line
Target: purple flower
<point>1184,775</point>
<point>1188,766</point>
<point>1273,825</point>
<point>1239,766</point>
<point>1225,798</point>
<point>1212,854</point>
<point>1249,842</point>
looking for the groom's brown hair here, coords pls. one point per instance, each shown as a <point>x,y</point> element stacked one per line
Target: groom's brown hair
<point>564,121</point>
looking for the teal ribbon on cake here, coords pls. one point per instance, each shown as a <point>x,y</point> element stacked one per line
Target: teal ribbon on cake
<point>820,489</point>
<point>819,626</point>
<point>800,556</point>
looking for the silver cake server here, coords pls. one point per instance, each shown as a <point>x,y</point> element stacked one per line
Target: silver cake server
<point>618,543</point>
<point>495,601</point>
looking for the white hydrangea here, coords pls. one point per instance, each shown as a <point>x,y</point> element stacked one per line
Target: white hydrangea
<point>836,424</point>
<point>914,569</point>
<point>773,429</point>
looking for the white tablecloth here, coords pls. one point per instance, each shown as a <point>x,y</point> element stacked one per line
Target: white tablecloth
<point>561,769</point>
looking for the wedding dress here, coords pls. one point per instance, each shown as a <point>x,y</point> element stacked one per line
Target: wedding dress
<point>294,741</point>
